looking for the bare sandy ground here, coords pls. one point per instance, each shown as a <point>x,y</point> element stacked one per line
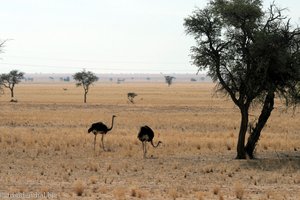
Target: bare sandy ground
<point>46,151</point>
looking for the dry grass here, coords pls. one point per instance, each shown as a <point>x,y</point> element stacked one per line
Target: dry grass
<point>139,193</point>
<point>216,190</point>
<point>79,188</point>
<point>119,193</point>
<point>239,190</point>
<point>45,146</point>
<point>173,193</point>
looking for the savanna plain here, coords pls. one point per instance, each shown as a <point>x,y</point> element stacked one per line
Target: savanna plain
<point>46,152</point>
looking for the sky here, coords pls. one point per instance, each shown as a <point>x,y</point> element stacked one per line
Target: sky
<point>102,36</point>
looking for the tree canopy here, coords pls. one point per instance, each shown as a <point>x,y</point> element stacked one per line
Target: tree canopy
<point>252,54</point>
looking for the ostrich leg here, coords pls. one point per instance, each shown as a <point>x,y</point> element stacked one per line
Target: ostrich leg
<point>144,149</point>
<point>102,142</point>
<point>145,156</point>
<point>95,142</point>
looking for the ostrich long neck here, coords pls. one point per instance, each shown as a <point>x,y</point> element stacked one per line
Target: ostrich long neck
<point>112,123</point>
<point>156,144</point>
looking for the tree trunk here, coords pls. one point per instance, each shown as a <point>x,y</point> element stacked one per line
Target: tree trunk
<point>241,153</point>
<point>262,120</point>
<point>84,100</point>
<point>86,90</point>
<point>12,92</point>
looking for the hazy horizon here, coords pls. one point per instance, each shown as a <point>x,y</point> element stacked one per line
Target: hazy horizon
<point>117,77</point>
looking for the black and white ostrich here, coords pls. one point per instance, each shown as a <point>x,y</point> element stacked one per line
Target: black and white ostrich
<point>146,134</point>
<point>100,128</point>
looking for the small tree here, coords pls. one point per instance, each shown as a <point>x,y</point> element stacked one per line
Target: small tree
<point>11,79</point>
<point>169,80</point>
<point>85,78</point>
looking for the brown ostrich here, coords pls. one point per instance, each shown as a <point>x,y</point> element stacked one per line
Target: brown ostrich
<point>100,128</point>
<point>146,134</point>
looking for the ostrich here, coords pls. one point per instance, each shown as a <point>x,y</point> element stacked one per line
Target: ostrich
<point>146,135</point>
<point>130,96</point>
<point>101,128</point>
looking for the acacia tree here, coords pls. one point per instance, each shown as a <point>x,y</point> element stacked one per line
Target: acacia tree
<point>85,78</point>
<point>11,79</point>
<point>252,54</point>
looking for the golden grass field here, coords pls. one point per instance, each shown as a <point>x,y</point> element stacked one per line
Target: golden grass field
<point>47,152</point>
